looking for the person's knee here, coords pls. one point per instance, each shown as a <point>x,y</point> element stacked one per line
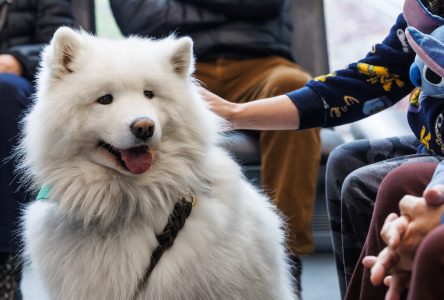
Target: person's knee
<point>9,83</point>
<point>14,88</point>
<point>407,179</point>
<point>336,172</point>
<point>401,178</point>
<point>337,157</point>
<point>396,180</point>
<point>348,157</point>
<point>352,187</point>
<point>357,195</point>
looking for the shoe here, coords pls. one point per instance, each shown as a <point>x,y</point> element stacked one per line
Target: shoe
<point>8,277</point>
<point>296,267</point>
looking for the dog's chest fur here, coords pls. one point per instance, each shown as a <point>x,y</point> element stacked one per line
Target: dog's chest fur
<point>82,264</point>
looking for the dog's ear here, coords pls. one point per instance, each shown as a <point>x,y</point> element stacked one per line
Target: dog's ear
<point>66,45</point>
<point>182,58</point>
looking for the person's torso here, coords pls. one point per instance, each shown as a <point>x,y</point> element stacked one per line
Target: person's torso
<point>238,40</point>
<point>240,37</point>
<point>20,24</point>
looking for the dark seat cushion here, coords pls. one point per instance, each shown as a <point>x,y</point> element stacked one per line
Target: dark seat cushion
<point>244,145</point>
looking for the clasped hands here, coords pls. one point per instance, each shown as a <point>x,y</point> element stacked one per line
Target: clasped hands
<point>402,235</point>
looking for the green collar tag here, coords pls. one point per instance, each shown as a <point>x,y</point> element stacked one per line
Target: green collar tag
<point>43,193</point>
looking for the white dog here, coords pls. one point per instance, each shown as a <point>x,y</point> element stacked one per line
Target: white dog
<point>119,135</point>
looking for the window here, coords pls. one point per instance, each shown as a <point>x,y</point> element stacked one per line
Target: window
<point>353,27</point>
<point>105,24</point>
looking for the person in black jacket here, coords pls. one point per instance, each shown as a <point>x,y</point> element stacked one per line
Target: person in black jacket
<point>243,50</point>
<point>25,27</point>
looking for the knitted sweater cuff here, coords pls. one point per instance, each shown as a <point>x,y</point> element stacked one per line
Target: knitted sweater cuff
<point>310,106</point>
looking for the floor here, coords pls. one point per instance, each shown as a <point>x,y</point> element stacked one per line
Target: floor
<point>319,280</point>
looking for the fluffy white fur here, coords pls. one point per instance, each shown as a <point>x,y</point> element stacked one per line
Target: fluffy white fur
<point>93,238</point>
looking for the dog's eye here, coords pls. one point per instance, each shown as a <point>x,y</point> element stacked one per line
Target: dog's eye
<point>106,99</point>
<point>148,94</point>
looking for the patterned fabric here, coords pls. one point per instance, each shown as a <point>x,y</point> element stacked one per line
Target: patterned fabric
<point>370,85</point>
<point>366,87</point>
<point>354,173</point>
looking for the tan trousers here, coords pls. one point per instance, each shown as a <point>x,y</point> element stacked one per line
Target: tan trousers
<point>290,159</point>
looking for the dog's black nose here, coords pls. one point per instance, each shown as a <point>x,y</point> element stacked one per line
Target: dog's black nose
<point>142,128</point>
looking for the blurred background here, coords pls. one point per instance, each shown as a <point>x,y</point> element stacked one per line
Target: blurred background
<point>352,26</point>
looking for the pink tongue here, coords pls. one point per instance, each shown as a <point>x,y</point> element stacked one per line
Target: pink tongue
<point>137,162</point>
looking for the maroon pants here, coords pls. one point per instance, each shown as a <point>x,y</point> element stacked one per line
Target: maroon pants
<point>427,280</point>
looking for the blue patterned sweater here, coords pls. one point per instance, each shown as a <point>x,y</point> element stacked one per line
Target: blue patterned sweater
<point>370,85</point>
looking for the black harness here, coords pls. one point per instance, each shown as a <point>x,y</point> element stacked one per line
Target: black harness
<point>176,221</point>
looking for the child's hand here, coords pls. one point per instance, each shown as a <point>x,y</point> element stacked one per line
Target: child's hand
<point>388,259</point>
<point>220,106</point>
<point>403,235</point>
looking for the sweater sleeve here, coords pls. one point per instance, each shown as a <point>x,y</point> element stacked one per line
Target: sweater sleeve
<point>370,85</point>
<point>429,124</point>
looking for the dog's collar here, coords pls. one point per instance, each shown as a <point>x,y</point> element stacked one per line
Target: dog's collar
<point>43,193</point>
<point>176,221</point>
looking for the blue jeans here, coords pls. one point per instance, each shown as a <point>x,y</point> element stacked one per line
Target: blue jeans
<point>15,92</point>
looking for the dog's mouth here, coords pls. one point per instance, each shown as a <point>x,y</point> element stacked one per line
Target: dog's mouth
<point>136,160</point>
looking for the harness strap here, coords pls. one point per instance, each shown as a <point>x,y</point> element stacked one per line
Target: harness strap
<point>176,221</point>
<point>165,240</point>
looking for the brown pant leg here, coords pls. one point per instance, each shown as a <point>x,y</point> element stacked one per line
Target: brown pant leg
<point>290,159</point>
<point>428,268</point>
<point>407,179</point>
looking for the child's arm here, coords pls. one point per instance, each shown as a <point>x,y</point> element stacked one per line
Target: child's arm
<point>373,84</point>
<point>363,88</point>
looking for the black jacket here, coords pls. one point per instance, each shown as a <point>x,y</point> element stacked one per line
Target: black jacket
<point>228,28</point>
<point>30,24</point>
